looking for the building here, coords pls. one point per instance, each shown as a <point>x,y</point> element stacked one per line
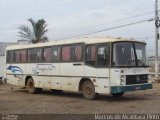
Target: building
<point>151,63</point>
<point>3,46</point>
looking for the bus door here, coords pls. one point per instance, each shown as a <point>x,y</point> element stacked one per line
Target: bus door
<point>103,65</point>
<point>97,66</point>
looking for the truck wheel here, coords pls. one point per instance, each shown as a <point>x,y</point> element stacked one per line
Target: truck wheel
<point>88,90</point>
<point>31,87</point>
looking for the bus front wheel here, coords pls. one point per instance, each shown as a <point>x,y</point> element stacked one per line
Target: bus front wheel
<point>31,87</point>
<point>88,90</point>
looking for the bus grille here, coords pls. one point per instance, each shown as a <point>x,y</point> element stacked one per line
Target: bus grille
<point>136,79</point>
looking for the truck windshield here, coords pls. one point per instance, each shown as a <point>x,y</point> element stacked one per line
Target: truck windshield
<point>129,54</point>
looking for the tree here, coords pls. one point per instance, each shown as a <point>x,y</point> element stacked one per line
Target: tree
<point>35,34</point>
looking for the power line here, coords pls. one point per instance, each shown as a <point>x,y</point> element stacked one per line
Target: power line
<point>81,11</point>
<point>124,19</point>
<point>102,4</point>
<point>110,23</point>
<point>145,38</point>
<point>111,28</point>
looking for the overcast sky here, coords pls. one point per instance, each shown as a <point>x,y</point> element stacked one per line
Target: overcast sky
<point>68,18</point>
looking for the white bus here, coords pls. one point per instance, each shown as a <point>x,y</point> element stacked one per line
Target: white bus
<point>102,65</point>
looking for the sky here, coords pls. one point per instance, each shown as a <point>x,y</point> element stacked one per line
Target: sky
<point>70,18</point>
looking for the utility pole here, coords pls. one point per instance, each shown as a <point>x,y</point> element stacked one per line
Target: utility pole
<point>156,39</point>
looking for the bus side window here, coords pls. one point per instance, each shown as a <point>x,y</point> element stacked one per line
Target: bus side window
<point>91,55</point>
<point>17,56</point>
<point>23,56</point>
<point>38,53</point>
<point>47,55</point>
<point>29,56</point>
<point>10,56</point>
<point>103,57</point>
<point>76,53</point>
<point>55,54</point>
<point>34,55</point>
<point>66,53</point>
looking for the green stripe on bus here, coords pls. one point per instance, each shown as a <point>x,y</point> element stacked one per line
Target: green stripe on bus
<point>121,89</point>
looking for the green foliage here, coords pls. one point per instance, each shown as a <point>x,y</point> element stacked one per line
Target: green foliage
<point>35,34</point>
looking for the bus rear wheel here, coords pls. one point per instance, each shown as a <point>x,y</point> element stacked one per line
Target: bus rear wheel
<point>88,90</point>
<point>117,94</point>
<point>31,87</point>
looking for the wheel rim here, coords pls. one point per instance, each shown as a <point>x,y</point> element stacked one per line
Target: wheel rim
<point>89,90</point>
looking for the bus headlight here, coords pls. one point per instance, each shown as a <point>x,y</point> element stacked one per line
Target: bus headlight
<point>122,82</point>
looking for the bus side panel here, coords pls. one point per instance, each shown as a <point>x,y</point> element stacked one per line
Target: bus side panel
<point>43,73</point>
<point>43,69</point>
<point>115,77</point>
<point>71,74</point>
<point>72,69</point>
<point>59,83</point>
<point>90,72</point>
<point>101,75</point>
<point>15,74</point>
<point>41,82</point>
<point>102,81</point>
<point>49,75</point>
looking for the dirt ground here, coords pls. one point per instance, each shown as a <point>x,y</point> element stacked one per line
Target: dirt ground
<point>14,100</point>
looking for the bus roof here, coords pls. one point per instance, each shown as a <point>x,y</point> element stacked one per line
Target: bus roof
<point>86,40</point>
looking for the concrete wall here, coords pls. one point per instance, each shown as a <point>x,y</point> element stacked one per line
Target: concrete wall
<point>3,46</point>
<point>151,63</point>
<point>2,66</point>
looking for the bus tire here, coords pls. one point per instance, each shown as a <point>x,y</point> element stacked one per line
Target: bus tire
<point>88,90</point>
<point>31,87</point>
<point>117,94</point>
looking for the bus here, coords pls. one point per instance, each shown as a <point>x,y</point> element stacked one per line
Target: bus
<point>91,65</point>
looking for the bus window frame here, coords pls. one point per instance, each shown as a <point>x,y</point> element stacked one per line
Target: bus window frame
<point>21,56</point>
<point>42,53</point>
<point>133,42</point>
<point>13,59</point>
<point>41,61</point>
<point>43,58</point>
<point>71,60</point>
<point>96,46</point>
<point>15,56</point>
<point>109,64</point>
<point>59,59</point>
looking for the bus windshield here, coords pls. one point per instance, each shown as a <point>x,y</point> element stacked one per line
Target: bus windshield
<point>129,54</point>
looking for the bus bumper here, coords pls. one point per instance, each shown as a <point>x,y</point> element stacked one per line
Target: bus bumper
<point>121,89</point>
